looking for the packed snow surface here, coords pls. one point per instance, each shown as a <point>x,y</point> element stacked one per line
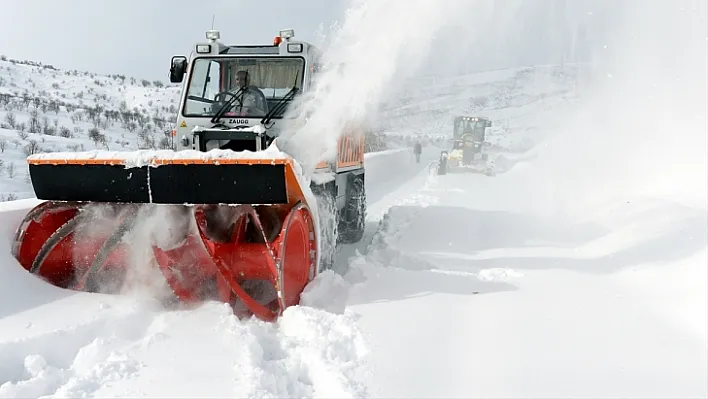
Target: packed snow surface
<point>499,301</point>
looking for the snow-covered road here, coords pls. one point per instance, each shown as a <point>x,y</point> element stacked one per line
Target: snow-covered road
<point>457,296</point>
<point>464,286</point>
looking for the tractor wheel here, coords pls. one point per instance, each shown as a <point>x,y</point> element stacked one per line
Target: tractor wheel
<point>328,226</point>
<point>353,216</point>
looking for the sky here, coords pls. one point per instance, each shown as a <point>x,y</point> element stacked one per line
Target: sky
<point>138,37</point>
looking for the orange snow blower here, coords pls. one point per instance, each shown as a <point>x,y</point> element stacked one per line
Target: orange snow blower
<point>221,216</point>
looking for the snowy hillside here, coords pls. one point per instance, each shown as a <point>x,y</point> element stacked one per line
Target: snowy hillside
<point>43,109</point>
<point>514,99</point>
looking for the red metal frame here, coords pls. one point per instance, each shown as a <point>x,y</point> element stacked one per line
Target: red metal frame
<point>286,262</point>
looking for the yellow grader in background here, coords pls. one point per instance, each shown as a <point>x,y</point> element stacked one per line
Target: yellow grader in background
<point>468,143</point>
<point>230,219</point>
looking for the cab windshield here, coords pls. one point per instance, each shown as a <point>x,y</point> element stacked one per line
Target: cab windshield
<point>475,128</point>
<point>266,81</point>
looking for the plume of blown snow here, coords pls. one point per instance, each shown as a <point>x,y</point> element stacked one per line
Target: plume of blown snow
<point>378,45</point>
<point>641,128</point>
<point>163,226</point>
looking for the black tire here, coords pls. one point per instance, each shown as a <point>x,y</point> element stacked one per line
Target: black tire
<point>353,216</point>
<point>327,226</point>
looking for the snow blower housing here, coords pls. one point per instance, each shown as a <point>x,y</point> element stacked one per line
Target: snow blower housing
<point>241,226</point>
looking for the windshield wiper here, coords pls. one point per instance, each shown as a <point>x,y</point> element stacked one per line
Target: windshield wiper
<point>221,111</point>
<point>279,106</point>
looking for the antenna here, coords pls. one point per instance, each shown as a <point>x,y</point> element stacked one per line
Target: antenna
<point>213,17</point>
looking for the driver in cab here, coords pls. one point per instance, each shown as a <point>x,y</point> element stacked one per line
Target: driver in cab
<point>253,100</point>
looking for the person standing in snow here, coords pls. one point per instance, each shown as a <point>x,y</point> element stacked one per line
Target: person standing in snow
<point>417,150</point>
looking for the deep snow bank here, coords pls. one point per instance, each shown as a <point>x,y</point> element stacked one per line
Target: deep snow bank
<point>57,342</point>
<point>497,299</point>
<point>129,348</point>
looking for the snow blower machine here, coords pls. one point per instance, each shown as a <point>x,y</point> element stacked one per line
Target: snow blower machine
<point>223,215</point>
<point>468,142</point>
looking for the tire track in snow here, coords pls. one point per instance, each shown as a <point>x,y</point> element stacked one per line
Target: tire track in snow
<point>310,353</point>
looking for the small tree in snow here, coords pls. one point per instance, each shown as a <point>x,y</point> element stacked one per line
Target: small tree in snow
<point>10,169</point>
<point>165,143</point>
<point>35,126</point>
<point>9,197</point>
<point>65,132</point>
<point>32,147</point>
<point>11,120</point>
<point>96,136</point>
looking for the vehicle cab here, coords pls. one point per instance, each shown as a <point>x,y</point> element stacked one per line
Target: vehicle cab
<point>470,131</point>
<point>234,96</point>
